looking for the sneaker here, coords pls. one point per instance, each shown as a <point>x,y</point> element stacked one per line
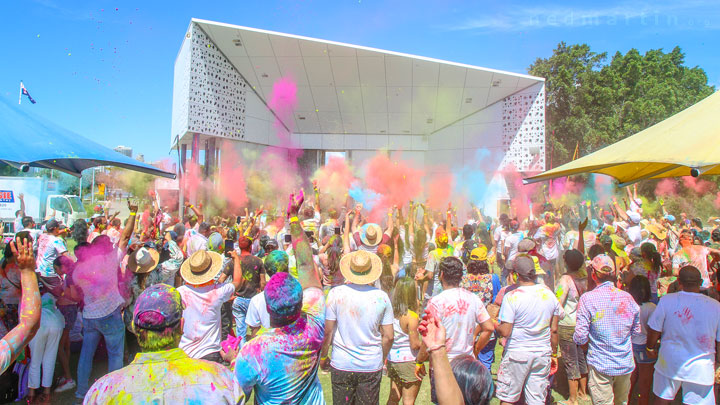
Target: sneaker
<point>65,385</point>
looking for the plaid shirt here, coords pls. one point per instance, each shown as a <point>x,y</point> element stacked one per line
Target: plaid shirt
<point>608,317</point>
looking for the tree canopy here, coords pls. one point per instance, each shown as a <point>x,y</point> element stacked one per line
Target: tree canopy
<point>592,103</point>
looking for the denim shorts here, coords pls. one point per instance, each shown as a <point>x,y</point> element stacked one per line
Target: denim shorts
<point>641,356</point>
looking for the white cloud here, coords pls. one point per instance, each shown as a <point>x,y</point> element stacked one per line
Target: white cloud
<point>697,14</point>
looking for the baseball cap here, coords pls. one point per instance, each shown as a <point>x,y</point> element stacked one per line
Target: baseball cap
<point>526,245</point>
<point>157,308</point>
<point>479,253</point>
<point>689,275</point>
<point>603,264</point>
<point>524,266</point>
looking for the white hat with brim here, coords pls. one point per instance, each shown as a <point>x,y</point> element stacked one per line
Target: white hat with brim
<point>201,267</point>
<point>143,260</point>
<point>371,234</point>
<point>361,267</point>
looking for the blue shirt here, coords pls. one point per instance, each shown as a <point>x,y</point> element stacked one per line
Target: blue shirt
<point>608,317</point>
<point>282,363</point>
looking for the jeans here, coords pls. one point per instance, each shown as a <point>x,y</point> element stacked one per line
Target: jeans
<point>112,328</point>
<point>239,311</point>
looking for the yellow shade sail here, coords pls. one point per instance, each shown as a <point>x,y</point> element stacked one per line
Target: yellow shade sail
<point>688,140</point>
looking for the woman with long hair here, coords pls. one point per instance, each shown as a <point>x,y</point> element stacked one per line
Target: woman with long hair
<point>644,365</point>
<point>571,286</point>
<point>404,384</point>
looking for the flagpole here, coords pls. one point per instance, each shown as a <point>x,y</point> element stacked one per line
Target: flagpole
<point>20,95</point>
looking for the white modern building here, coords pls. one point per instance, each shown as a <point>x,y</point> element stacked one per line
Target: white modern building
<point>352,101</point>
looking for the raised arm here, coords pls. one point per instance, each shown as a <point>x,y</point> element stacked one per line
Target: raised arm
<point>197,212</point>
<point>128,231</point>
<point>448,224</point>
<point>346,235</point>
<point>316,190</point>
<point>21,197</point>
<point>391,223</point>
<point>307,273</point>
<point>581,236</point>
<point>237,270</point>
<point>433,336</point>
<point>15,341</point>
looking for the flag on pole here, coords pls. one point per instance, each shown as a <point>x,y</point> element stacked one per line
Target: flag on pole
<point>24,92</point>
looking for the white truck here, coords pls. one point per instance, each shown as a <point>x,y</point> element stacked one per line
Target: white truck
<point>42,201</point>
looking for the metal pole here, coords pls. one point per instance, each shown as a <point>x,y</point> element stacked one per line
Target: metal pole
<point>92,188</point>
<point>81,187</point>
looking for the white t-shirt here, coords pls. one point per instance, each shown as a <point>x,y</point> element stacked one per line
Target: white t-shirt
<point>196,243</point>
<point>359,310</point>
<point>646,310</point>
<point>511,243</point>
<point>634,234</point>
<point>690,326</point>
<point>460,312</point>
<point>257,314</point>
<point>50,247</point>
<point>202,329</point>
<point>530,309</point>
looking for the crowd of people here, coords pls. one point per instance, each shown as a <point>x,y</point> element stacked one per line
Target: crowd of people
<point>214,309</point>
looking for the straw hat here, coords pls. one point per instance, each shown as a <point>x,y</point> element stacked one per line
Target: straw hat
<point>657,230</point>
<point>371,234</point>
<point>201,267</point>
<point>143,260</point>
<point>361,267</point>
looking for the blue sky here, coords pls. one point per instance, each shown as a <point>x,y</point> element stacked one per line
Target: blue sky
<point>105,69</point>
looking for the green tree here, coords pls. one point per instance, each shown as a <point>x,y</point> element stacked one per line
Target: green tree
<point>592,103</point>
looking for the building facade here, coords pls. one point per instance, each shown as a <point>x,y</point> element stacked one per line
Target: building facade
<point>351,101</point>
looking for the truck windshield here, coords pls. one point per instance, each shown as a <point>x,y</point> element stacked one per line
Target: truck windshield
<point>76,204</point>
<point>60,204</point>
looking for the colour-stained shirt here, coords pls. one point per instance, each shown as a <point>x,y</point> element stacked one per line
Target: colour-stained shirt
<point>167,377</point>
<point>608,318</point>
<point>548,234</point>
<point>530,309</point>
<point>97,277</point>
<point>360,312</point>
<point>10,292</point>
<point>50,247</point>
<point>694,255</point>
<point>5,355</point>
<point>169,268</point>
<point>690,326</point>
<point>202,328</point>
<point>460,311</point>
<point>282,363</point>
<point>196,243</point>
<point>433,264</point>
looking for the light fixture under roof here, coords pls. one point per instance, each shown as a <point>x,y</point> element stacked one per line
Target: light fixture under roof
<point>468,100</point>
<point>429,121</point>
<point>237,42</point>
<point>265,75</point>
<point>300,117</point>
<point>496,83</point>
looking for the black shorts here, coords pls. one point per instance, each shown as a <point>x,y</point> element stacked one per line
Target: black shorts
<point>350,387</point>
